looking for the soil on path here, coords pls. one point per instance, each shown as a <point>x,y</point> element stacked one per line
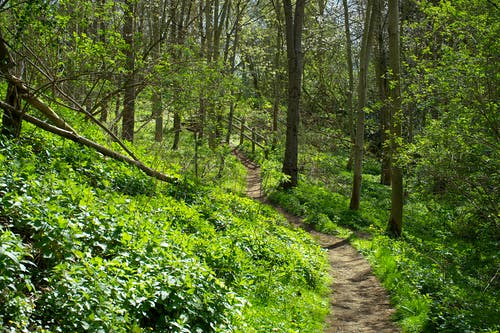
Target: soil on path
<point>358,302</point>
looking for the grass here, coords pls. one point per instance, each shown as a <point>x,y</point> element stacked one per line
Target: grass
<point>440,279</point>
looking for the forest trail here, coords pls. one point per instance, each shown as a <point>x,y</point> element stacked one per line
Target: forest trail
<point>358,302</point>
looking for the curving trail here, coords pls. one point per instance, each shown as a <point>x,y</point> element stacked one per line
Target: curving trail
<point>358,302</point>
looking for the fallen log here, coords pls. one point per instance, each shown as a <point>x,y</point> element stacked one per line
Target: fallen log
<point>73,136</point>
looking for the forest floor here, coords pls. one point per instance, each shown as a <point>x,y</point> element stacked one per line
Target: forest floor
<point>358,302</point>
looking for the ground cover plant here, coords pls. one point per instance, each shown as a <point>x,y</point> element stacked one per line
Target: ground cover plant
<point>90,245</point>
<point>441,276</point>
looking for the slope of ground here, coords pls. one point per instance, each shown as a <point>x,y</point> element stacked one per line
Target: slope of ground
<point>358,302</point>
<point>92,245</point>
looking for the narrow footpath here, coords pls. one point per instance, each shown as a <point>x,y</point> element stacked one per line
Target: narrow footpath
<point>358,301</point>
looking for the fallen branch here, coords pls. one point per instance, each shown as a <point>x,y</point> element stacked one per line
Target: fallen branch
<point>89,143</point>
<point>37,103</point>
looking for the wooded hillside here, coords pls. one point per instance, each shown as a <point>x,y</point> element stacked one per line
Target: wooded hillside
<point>379,116</point>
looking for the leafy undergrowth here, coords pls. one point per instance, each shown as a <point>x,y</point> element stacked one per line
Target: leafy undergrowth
<point>91,245</point>
<point>440,280</point>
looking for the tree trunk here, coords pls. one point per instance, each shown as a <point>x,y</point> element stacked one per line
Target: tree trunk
<point>294,24</point>
<point>382,86</point>
<point>231,55</point>
<point>396,219</point>
<point>278,78</point>
<point>177,130</point>
<point>180,37</point>
<point>156,27</point>
<point>364,59</point>
<point>128,119</point>
<point>11,122</point>
<point>157,113</point>
<point>350,89</point>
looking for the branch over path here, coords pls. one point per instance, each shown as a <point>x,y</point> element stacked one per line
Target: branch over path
<point>358,302</point>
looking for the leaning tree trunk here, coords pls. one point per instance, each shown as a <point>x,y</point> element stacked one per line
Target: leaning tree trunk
<point>294,25</point>
<point>396,219</point>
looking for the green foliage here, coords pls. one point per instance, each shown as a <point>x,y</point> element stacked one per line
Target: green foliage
<point>320,206</point>
<point>93,245</point>
<point>455,157</point>
<point>443,273</point>
<point>14,279</point>
<point>272,176</point>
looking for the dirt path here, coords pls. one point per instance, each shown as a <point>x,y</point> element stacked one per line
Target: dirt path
<point>358,302</point>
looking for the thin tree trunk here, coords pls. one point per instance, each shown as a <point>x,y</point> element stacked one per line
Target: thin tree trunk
<point>294,25</point>
<point>128,118</point>
<point>350,88</point>
<point>156,99</point>
<point>157,112</point>
<point>396,219</point>
<point>183,18</point>
<point>364,57</point>
<point>177,130</point>
<point>381,70</point>
<point>277,79</point>
<point>232,59</point>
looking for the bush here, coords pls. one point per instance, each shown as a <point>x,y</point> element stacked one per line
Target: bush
<point>98,248</point>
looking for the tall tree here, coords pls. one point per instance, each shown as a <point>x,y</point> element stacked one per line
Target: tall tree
<point>350,71</point>
<point>382,86</point>
<point>128,119</point>
<point>364,60</point>
<point>181,20</point>
<point>396,218</point>
<point>294,21</point>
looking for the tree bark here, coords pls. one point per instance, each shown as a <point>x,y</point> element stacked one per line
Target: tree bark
<point>156,96</point>
<point>382,87</point>
<point>231,54</point>
<point>278,78</point>
<point>179,39</point>
<point>128,119</point>
<point>350,88</point>
<point>364,59</point>
<point>11,121</point>
<point>396,219</point>
<point>294,24</point>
